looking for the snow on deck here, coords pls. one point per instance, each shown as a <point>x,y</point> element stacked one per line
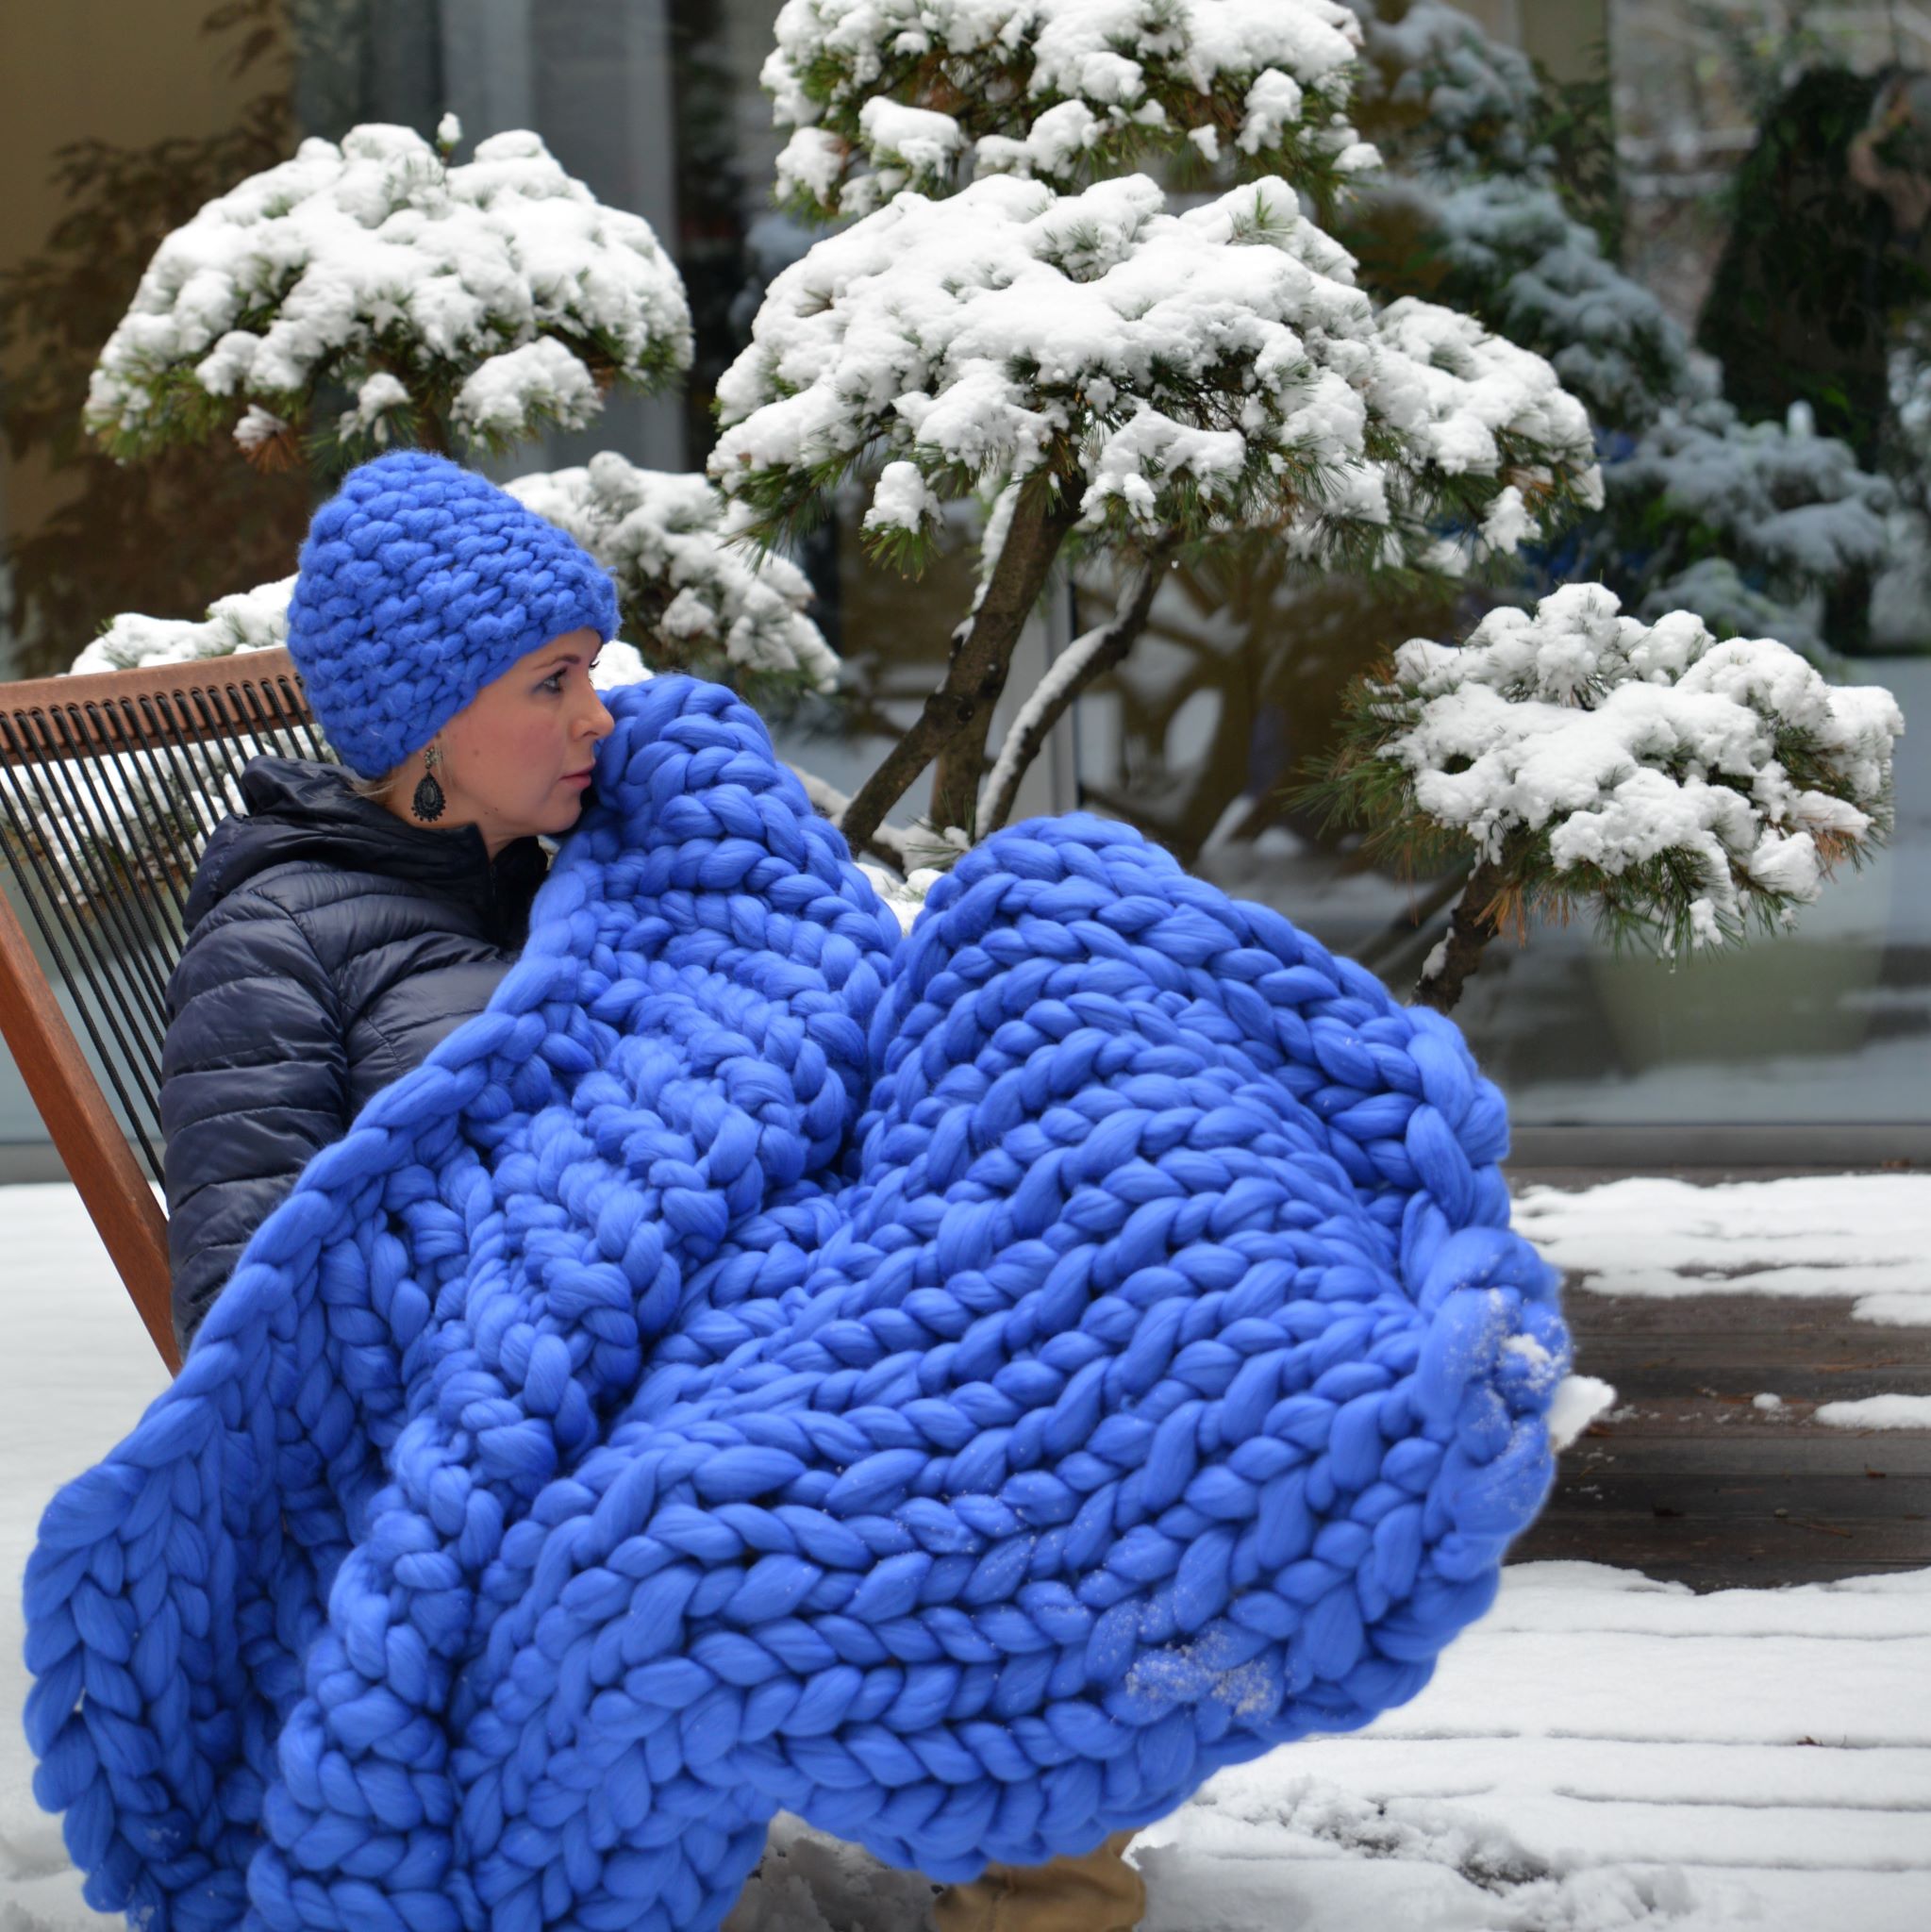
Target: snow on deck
<point>1602,1751</point>
<point>1864,1237</point>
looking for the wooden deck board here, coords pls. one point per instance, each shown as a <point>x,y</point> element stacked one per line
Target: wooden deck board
<point>1686,1479</point>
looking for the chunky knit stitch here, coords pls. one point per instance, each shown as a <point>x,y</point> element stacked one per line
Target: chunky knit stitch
<point>420,582</point>
<point>963,1390</point>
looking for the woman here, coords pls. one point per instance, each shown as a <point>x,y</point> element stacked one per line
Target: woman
<point>357,914</point>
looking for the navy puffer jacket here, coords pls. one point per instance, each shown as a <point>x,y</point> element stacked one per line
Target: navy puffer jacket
<point>330,945</point>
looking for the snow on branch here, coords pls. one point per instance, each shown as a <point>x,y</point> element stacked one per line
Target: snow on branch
<point>1514,254</point>
<point>1453,93</point>
<point>697,594</point>
<point>255,620</point>
<point>1192,374</point>
<point>489,299</point>
<point>1794,505</point>
<point>892,94</point>
<point>1686,788</point>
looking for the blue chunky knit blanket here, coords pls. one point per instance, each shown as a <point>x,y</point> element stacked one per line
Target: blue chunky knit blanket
<point>961,1389</point>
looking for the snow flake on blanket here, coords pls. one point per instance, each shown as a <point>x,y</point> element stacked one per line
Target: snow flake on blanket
<point>504,274</point>
<point>892,94</point>
<point>1215,366</point>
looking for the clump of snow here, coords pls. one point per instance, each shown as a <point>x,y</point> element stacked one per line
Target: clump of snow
<point>1859,1237</point>
<point>1766,1403</point>
<point>1639,758</point>
<point>685,571</point>
<point>617,663</point>
<point>509,395</point>
<point>881,93</point>
<point>377,400</point>
<point>906,896</point>
<point>1877,1412</point>
<point>902,500</point>
<point>1579,1400</point>
<point>257,429</point>
<point>255,620</point>
<point>376,254</point>
<point>1202,369</point>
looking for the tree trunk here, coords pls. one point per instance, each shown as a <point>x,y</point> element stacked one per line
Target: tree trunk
<point>430,433</point>
<point>1086,658</point>
<point>951,727</point>
<point>1468,930</point>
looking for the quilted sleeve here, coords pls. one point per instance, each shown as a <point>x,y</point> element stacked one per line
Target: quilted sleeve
<point>253,1081</point>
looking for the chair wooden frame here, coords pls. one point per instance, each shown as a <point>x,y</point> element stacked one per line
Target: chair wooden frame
<point>110,783</point>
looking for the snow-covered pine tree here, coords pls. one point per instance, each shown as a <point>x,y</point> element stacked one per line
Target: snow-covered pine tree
<point>1679,789</point>
<point>1011,318</point>
<point>1014,321</point>
<point>1754,524</point>
<point>373,291</point>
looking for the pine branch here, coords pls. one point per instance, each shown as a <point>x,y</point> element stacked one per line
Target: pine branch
<point>1087,657</point>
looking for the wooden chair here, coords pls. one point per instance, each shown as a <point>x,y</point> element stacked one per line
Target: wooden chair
<point>109,785</point>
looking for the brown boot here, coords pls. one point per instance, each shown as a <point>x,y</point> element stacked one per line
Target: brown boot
<point>1098,1892</point>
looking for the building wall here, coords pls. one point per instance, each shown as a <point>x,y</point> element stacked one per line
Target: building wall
<point>130,72</point>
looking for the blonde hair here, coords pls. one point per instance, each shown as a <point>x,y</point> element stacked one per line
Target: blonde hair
<point>376,789</point>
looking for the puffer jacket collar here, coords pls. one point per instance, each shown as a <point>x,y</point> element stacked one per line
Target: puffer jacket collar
<point>299,811</point>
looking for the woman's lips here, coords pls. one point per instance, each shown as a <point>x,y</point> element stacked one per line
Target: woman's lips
<point>579,778</point>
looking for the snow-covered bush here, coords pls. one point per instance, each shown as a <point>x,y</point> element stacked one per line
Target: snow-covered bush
<point>1681,789</point>
<point>1195,373</point>
<point>473,303</point>
<point>693,590</point>
<point>927,95</point>
<point>1442,93</point>
<point>255,620</point>
<point>1097,366</point>
<point>1716,590</point>
<point>1507,248</point>
<point>1476,209</point>
<point>1790,509</point>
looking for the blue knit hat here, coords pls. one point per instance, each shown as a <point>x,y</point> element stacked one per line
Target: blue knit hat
<point>419,583</point>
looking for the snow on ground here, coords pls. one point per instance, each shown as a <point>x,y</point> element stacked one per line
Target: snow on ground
<point>1601,1752</point>
<point>1863,1236</point>
<point>1878,1412</point>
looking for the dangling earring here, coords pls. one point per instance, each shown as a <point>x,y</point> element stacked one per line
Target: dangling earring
<point>428,801</point>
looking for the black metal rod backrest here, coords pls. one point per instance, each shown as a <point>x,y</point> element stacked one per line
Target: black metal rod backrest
<point>109,785</point>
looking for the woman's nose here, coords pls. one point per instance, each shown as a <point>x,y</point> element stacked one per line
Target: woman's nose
<point>601,723</point>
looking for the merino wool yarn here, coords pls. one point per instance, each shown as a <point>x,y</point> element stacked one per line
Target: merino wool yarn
<point>419,583</point>
<point>963,1388</point>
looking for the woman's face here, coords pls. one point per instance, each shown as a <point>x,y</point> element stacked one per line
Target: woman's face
<point>517,758</point>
